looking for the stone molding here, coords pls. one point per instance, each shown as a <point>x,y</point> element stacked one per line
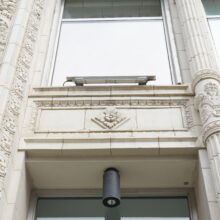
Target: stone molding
<point>110,102</point>
<point>204,75</point>
<point>211,129</point>
<point>8,124</point>
<point>7,10</point>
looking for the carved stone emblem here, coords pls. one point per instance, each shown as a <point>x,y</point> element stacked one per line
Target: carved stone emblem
<point>110,118</point>
<point>208,102</point>
<point>211,89</point>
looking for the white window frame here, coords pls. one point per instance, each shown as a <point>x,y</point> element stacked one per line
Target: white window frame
<point>169,36</point>
<point>188,193</point>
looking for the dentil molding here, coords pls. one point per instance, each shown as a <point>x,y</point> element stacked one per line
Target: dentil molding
<point>9,122</point>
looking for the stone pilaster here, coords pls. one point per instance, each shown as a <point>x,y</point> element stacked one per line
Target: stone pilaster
<point>213,143</point>
<point>199,47</point>
<point>30,18</point>
<point>206,79</point>
<point>208,103</point>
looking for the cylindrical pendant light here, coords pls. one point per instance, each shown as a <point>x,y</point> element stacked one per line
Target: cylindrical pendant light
<point>111,187</point>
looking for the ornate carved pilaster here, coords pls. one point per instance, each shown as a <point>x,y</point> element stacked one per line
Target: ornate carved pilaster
<point>8,124</point>
<point>208,103</point>
<point>199,47</point>
<point>7,10</point>
<point>206,79</point>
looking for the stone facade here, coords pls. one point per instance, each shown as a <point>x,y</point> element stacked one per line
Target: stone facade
<point>59,140</point>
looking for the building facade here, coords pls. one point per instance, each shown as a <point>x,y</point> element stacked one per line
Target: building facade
<point>163,137</point>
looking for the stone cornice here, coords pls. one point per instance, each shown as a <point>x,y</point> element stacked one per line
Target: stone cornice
<point>111,91</point>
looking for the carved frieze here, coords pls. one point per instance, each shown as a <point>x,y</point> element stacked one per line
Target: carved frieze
<point>113,113</point>
<point>117,102</point>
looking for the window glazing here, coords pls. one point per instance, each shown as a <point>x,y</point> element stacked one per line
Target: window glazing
<point>212,9</point>
<point>112,38</point>
<point>158,208</point>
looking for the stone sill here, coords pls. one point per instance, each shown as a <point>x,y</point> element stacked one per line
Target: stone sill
<point>115,91</point>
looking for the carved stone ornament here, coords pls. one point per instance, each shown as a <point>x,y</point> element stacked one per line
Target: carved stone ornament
<point>110,118</point>
<point>208,102</point>
<point>7,10</point>
<point>203,75</point>
<point>2,170</point>
<point>8,125</point>
<point>211,89</point>
<point>2,166</point>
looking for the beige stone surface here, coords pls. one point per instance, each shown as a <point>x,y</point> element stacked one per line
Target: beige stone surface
<point>62,147</point>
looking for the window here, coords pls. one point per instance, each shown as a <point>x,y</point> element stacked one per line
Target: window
<point>112,38</point>
<point>212,9</point>
<point>154,208</point>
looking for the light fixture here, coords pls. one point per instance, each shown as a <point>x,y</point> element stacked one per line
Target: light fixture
<point>80,81</point>
<point>111,187</point>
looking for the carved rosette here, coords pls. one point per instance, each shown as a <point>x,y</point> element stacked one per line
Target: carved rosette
<point>110,118</point>
<point>208,104</point>
<point>7,10</point>
<point>10,117</point>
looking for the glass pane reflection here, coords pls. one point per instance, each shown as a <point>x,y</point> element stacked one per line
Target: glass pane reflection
<point>111,8</point>
<point>212,7</point>
<point>130,209</point>
<point>110,48</point>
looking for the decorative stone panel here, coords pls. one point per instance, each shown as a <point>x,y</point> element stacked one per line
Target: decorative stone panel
<point>106,115</point>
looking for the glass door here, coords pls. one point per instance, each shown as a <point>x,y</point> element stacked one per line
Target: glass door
<point>154,208</point>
